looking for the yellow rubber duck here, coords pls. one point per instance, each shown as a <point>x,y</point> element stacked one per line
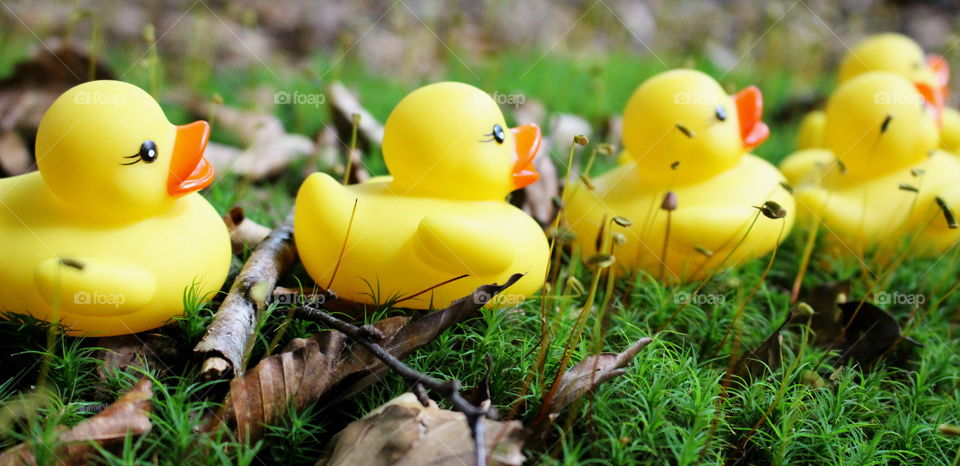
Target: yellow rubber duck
<point>441,214</point>
<point>899,54</point>
<point>686,136</point>
<point>880,174</point>
<point>106,236</point>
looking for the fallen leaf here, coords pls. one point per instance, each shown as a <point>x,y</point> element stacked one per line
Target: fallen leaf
<point>537,198</point>
<point>615,130</point>
<point>244,233</point>
<point>129,415</point>
<point>870,335</point>
<point>403,431</point>
<point>131,353</point>
<point>826,321</point>
<point>418,333</point>
<point>327,156</point>
<point>766,355</point>
<point>591,372</point>
<point>268,149</point>
<point>15,157</point>
<point>308,368</point>
<point>343,105</point>
<point>565,126</point>
<point>29,91</point>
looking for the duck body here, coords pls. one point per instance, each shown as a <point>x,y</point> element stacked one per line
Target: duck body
<point>100,276</point>
<point>413,243</point>
<point>878,211</point>
<point>441,215</point>
<point>109,235</point>
<point>711,218</point>
<point>898,54</point>
<point>685,137</point>
<point>877,181</point>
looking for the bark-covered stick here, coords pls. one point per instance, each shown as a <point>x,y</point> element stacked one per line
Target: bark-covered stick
<point>225,343</point>
<point>370,337</point>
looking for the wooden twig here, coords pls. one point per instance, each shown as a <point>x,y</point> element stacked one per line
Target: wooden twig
<point>309,369</point>
<point>225,344</point>
<point>370,337</point>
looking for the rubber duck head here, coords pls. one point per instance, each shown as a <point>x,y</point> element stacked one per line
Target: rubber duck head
<point>682,125</point>
<point>899,54</point>
<point>878,122</point>
<point>106,148</point>
<point>450,140</point>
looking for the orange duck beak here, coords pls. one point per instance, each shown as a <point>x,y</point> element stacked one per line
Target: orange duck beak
<point>933,97</point>
<point>189,170</point>
<point>941,70</point>
<point>528,143</point>
<point>753,131</point>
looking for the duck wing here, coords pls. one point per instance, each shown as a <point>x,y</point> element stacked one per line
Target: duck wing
<point>94,287</point>
<point>462,245</point>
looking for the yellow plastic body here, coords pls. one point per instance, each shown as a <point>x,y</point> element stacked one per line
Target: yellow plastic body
<point>717,184</point>
<point>440,215</point>
<point>810,133</point>
<point>890,52</point>
<point>950,130</point>
<point>883,145</point>
<point>98,245</point>
<point>894,53</point>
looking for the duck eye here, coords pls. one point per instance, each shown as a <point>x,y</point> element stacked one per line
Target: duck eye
<point>721,113</point>
<point>148,151</point>
<point>498,134</point>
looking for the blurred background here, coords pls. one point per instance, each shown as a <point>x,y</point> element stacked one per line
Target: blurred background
<point>263,71</point>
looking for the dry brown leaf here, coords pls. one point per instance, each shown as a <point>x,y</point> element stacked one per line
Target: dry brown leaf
<point>129,415</point>
<point>15,157</point>
<point>871,334</point>
<point>308,368</point>
<point>539,197</point>
<point>268,148</point>
<point>418,333</point>
<point>825,321</point>
<point>327,156</point>
<point>35,83</point>
<point>27,93</point>
<point>593,371</point>
<point>267,157</point>
<point>244,233</point>
<point>403,431</point>
<point>564,127</point>
<point>132,353</point>
<point>343,105</point>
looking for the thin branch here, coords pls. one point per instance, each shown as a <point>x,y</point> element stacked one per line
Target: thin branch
<point>225,344</point>
<point>370,337</point>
